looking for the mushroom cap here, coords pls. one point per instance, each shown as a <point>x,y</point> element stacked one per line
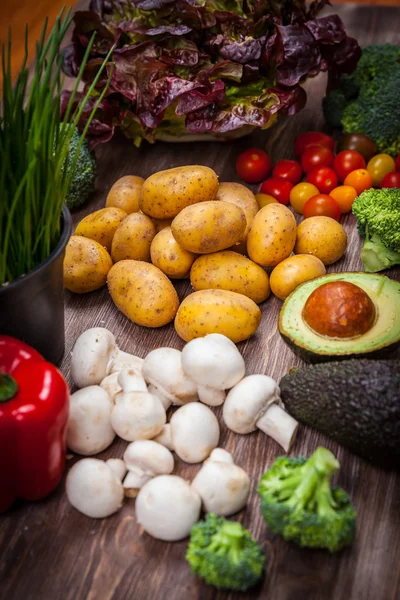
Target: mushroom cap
<point>213,361</point>
<point>91,356</point>
<point>131,380</point>
<point>94,489</point>
<point>89,427</point>
<point>149,457</point>
<point>153,389</point>
<point>222,486</point>
<point>194,432</point>
<point>111,385</point>
<point>163,368</point>
<point>118,466</point>
<point>167,508</point>
<point>221,455</point>
<point>248,401</point>
<point>137,416</point>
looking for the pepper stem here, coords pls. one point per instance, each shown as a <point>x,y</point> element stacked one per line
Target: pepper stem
<point>8,387</point>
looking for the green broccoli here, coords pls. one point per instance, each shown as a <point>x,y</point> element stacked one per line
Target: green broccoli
<point>297,502</point>
<point>83,180</point>
<point>378,214</point>
<point>367,100</point>
<point>224,554</point>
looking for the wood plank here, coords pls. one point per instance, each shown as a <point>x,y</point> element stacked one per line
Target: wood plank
<point>48,550</point>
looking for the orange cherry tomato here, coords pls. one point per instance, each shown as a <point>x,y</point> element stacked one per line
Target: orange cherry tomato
<point>360,180</point>
<point>344,196</point>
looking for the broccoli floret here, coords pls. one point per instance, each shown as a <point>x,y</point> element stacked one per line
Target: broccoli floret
<point>378,215</point>
<point>224,554</point>
<point>83,181</point>
<point>297,502</point>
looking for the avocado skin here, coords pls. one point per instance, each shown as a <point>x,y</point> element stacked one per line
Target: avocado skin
<point>355,402</point>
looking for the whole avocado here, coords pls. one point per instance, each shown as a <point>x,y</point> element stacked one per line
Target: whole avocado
<point>355,402</point>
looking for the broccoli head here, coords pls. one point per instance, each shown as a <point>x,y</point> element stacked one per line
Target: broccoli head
<point>297,502</point>
<point>224,554</point>
<point>83,180</point>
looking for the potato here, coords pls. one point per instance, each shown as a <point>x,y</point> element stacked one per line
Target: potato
<point>132,239</point>
<point>241,196</point>
<point>272,235</point>
<point>142,293</point>
<point>161,224</point>
<point>166,193</point>
<point>230,271</point>
<point>322,237</point>
<point>292,271</point>
<point>209,226</point>
<point>217,311</point>
<point>101,225</point>
<point>169,257</point>
<point>125,193</point>
<point>86,265</point>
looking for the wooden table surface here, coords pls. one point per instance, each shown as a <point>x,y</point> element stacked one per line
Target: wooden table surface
<point>50,551</point>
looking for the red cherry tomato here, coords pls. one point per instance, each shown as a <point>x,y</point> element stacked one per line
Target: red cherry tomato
<point>391,180</point>
<point>324,178</point>
<point>313,138</point>
<point>278,188</point>
<point>322,205</point>
<point>288,169</point>
<point>316,156</point>
<point>347,161</point>
<point>253,165</point>
<point>398,163</point>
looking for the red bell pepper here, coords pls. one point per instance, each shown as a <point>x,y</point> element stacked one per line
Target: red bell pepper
<point>34,407</point>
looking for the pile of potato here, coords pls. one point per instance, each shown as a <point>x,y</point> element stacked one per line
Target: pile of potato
<point>182,223</point>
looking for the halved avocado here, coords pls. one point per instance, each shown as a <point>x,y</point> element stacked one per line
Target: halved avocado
<point>383,335</point>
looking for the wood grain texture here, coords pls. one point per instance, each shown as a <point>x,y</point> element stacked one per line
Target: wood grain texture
<point>49,551</point>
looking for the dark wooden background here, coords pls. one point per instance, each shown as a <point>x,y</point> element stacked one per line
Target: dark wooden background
<point>50,551</point>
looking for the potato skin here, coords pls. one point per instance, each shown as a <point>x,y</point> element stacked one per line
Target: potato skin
<point>217,311</point>
<point>161,224</point>
<point>322,237</point>
<point>125,193</point>
<point>86,265</point>
<point>142,293</point>
<point>169,256</point>
<point>231,271</point>
<point>133,238</point>
<point>166,193</point>
<point>209,226</point>
<point>101,225</point>
<point>272,235</point>
<point>241,196</point>
<point>293,271</point>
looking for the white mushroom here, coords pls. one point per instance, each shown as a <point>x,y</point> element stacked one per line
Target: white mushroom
<point>194,432</point>
<point>167,508</point>
<point>164,437</point>
<point>252,404</point>
<point>223,486</point>
<point>162,368</point>
<point>96,355</point>
<point>215,364</point>
<point>89,427</point>
<point>94,489</point>
<point>131,380</point>
<point>145,459</point>
<point>118,466</point>
<point>111,385</point>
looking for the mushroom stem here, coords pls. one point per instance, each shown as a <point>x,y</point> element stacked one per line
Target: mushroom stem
<point>124,360</point>
<point>279,425</point>
<point>118,466</point>
<point>165,437</point>
<point>134,481</point>
<point>211,396</point>
<point>131,380</point>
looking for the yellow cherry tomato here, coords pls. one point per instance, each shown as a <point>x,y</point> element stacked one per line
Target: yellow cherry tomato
<point>344,196</point>
<point>264,199</point>
<point>300,193</point>
<point>379,166</point>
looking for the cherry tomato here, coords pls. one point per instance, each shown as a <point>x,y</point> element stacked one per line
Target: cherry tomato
<point>264,199</point>
<point>360,180</point>
<point>357,141</point>
<point>316,156</point>
<point>379,166</point>
<point>322,205</point>
<point>278,188</point>
<point>391,180</point>
<point>253,165</point>
<point>324,178</point>
<point>300,194</point>
<point>312,138</point>
<point>344,196</point>
<point>397,163</point>
<point>347,161</point>
<point>288,169</point>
